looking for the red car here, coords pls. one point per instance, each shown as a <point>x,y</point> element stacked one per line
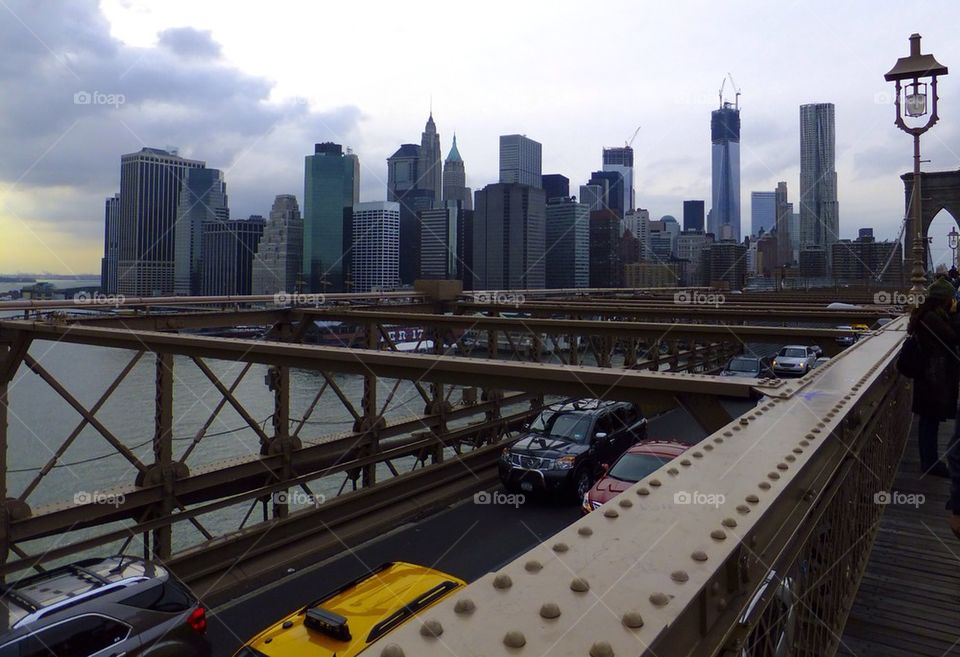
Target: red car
<point>635,464</point>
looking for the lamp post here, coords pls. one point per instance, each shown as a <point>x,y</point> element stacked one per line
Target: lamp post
<point>916,69</point>
<point>952,238</point>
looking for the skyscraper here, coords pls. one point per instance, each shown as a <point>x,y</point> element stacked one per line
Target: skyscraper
<point>725,135</point>
<point>440,241</point>
<point>508,237</point>
<point>227,257</point>
<point>819,212</point>
<point>567,245</point>
<point>202,198</point>
<point>328,196</point>
<point>784,232</point>
<point>606,269</point>
<point>763,212</point>
<point>693,215</point>
<point>402,171</point>
<point>455,179</point>
<point>150,184</point>
<point>620,159</point>
<point>376,246</point>
<point>611,182</point>
<point>429,171</point>
<point>555,186</point>
<point>108,266</point>
<point>279,258</point>
<point>521,160</point>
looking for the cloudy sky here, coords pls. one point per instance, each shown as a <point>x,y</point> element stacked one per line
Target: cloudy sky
<point>249,87</point>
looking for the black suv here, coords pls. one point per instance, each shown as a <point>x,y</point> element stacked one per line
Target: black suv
<point>565,447</point>
<point>112,607</point>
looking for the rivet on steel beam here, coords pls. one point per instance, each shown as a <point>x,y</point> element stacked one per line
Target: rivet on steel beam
<point>759,412</point>
<point>744,421</point>
<point>633,620</point>
<point>625,502</point>
<point>502,581</point>
<point>611,513</point>
<point>643,490</point>
<point>708,448</point>
<point>752,417</point>
<point>392,650</point>
<point>764,485</point>
<point>699,555</point>
<point>464,607</point>
<point>718,534</point>
<point>727,433</point>
<point>797,450</point>
<point>729,522</point>
<point>685,462</point>
<point>698,455</point>
<point>579,585</point>
<point>815,429</point>
<point>718,440</point>
<point>659,599</point>
<point>753,499</point>
<point>533,566</point>
<point>809,436</point>
<point>736,427</point>
<point>679,576</point>
<point>715,588</point>
<point>601,649</point>
<point>550,610</point>
<point>773,475</point>
<point>514,639</point>
<point>560,547</point>
<point>585,531</point>
<point>673,471</point>
<point>790,458</point>
<point>654,482</point>
<point>782,466</point>
<point>431,629</point>
<point>743,509</point>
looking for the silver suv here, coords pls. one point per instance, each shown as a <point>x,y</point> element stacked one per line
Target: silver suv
<point>112,607</point>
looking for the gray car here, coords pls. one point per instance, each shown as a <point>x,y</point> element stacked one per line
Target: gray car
<point>794,359</point>
<point>110,607</point>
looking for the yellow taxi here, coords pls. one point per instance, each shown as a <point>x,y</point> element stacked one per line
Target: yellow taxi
<point>862,328</point>
<point>348,620</point>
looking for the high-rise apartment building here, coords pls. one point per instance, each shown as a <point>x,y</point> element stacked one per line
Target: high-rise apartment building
<point>376,246</point>
<point>865,259</point>
<point>150,184</point>
<point>763,212</point>
<point>329,194</point>
<point>693,215</point>
<point>227,256</point>
<point>567,246</point>
<point>279,257</point>
<point>203,197</point>
<point>725,136</point>
<point>429,170</point>
<point>111,243</point>
<point>620,159</point>
<point>521,160</point>
<point>455,179</point>
<point>508,237</point>
<point>819,210</point>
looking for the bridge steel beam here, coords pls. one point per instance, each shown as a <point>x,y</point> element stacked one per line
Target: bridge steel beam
<point>779,505</point>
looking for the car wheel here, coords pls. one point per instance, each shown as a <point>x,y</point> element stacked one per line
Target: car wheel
<point>582,483</point>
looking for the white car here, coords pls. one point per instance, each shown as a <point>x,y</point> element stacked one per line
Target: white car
<point>794,359</point>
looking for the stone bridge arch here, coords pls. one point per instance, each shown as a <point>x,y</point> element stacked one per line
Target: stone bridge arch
<point>939,190</point>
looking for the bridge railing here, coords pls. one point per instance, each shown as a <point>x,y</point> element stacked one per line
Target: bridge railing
<point>750,544</point>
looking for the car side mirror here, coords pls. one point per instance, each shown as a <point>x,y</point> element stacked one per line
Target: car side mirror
<point>600,435</point>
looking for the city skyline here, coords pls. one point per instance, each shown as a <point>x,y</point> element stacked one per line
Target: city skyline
<point>267,113</point>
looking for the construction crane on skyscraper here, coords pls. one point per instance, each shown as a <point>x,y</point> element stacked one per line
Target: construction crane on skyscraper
<point>628,144</point>
<point>736,90</point>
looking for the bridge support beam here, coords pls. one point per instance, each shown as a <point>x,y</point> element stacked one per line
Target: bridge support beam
<point>706,410</point>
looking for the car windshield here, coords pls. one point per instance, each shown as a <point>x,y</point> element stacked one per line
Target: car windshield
<point>573,426</point>
<point>634,467</point>
<point>793,352</point>
<point>742,365</point>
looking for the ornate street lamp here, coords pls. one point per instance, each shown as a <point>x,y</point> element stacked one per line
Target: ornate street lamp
<point>912,100</point>
<point>952,238</point>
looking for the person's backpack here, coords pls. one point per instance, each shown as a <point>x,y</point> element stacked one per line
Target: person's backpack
<point>910,360</point>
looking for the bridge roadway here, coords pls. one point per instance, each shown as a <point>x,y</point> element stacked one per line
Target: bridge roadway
<point>467,540</point>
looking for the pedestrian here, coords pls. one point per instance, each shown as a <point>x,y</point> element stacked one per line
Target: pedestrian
<point>954,277</point>
<point>935,389</point>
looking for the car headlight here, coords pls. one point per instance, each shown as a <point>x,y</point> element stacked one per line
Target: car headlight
<point>775,363</point>
<point>564,462</point>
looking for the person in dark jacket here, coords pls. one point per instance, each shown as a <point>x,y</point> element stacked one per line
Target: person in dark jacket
<point>935,391</point>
